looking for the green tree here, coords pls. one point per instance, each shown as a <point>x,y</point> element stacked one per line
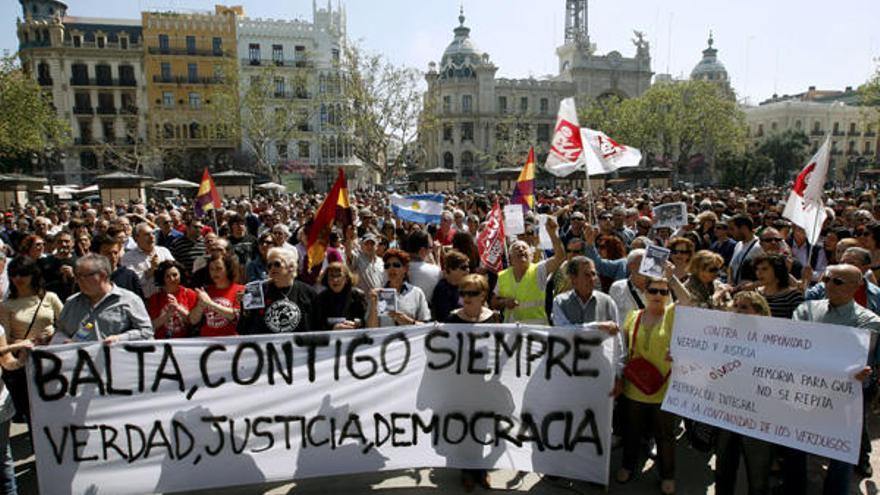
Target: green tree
<point>28,123</point>
<point>383,110</point>
<point>746,170</point>
<point>786,152</point>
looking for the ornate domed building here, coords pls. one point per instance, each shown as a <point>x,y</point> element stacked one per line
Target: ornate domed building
<point>476,123</point>
<point>710,68</point>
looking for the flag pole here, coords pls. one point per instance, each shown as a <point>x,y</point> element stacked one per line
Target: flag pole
<point>216,227</point>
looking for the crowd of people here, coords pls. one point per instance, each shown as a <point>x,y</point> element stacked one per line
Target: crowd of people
<point>91,272</point>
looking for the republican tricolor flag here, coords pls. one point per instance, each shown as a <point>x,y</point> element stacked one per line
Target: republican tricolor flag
<point>335,209</point>
<point>524,192</point>
<point>208,198</point>
<point>805,206</point>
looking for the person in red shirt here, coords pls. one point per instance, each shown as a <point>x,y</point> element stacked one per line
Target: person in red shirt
<point>219,301</point>
<point>446,231</point>
<point>170,307</point>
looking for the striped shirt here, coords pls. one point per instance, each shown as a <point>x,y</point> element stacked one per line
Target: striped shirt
<point>782,304</point>
<point>185,251</point>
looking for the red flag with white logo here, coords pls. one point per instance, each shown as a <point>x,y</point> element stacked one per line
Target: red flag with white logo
<point>490,241</point>
<point>604,155</point>
<point>566,153</point>
<point>805,206</point>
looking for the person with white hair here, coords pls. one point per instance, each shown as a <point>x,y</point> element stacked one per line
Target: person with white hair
<point>629,293</point>
<point>520,291</point>
<point>282,304</point>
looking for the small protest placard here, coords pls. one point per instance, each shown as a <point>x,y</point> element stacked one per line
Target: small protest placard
<point>253,296</point>
<point>671,215</point>
<point>514,222</point>
<point>544,241</point>
<point>654,261</point>
<point>387,302</point>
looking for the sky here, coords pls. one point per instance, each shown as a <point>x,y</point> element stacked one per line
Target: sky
<point>768,46</point>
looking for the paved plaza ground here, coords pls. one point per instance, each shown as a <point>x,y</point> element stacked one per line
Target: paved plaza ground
<point>694,471</point>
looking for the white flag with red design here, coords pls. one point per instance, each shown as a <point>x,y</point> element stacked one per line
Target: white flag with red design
<point>566,153</point>
<point>805,207</point>
<point>490,241</point>
<point>604,155</point>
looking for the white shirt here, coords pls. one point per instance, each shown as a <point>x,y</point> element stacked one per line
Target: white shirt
<point>139,262</point>
<point>425,276</point>
<point>623,297</point>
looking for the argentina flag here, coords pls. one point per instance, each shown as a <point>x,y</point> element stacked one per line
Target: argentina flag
<point>419,208</point>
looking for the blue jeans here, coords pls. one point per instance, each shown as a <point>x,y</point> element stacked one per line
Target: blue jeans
<point>7,472</point>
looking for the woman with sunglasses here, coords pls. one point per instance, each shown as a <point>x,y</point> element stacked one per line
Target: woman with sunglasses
<point>33,246</point>
<point>703,286</point>
<point>758,454</point>
<point>474,291</point>
<point>340,305</point>
<point>29,316</point>
<point>446,297</point>
<point>287,304</point>
<point>412,306</point>
<point>869,238</point>
<point>681,250</point>
<point>219,302</point>
<point>775,285</point>
<point>256,267</point>
<point>648,333</point>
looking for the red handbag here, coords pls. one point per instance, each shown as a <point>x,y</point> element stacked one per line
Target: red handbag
<point>641,372</point>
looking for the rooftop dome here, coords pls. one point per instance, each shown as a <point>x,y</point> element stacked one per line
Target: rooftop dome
<point>461,55</point>
<point>710,68</point>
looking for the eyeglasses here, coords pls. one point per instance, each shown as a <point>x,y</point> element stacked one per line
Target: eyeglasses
<point>713,269</point>
<point>84,275</point>
<point>654,291</point>
<point>393,264</point>
<point>578,220</point>
<point>834,280</point>
<point>775,240</point>
<point>470,293</point>
<point>277,264</point>
<point>681,251</point>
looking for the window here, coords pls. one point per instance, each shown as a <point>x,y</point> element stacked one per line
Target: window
<point>108,130</point>
<point>502,104</point>
<point>126,75</point>
<point>467,161</point>
<point>773,126</point>
<point>168,99</point>
<point>797,124</point>
<point>102,42</point>
<point>543,133</point>
<point>278,54</point>
<point>760,130</point>
<point>867,148</point>
<point>164,47</point>
<point>80,74</point>
<point>123,43</point>
<point>467,131</point>
<point>467,103</point>
<point>195,101</point>
<point>191,45</point>
<point>852,129</point>
<point>524,104</point>
<point>192,72</point>
<point>217,45</point>
<point>82,100</point>
<point>165,68</point>
<point>304,149</point>
<point>816,126</point>
<point>334,54</point>
<point>836,128</point>
<point>281,149</point>
<point>254,53</point>
<point>279,87</point>
<point>448,160</point>
<point>299,55</point>
<point>77,41</point>
<point>545,106</point>
<point>447,132</point>
<point>105,102</point>
<point>103,75</point>
<point>447,104</point>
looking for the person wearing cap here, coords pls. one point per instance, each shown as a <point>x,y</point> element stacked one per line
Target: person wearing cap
<point>367,221</point>
<point>361,257</point>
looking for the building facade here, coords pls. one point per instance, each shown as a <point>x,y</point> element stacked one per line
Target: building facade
<point>188,60</point>
<point>93,70</point>
<point>298,63</point>
<point>476,123</point>
<point>853,128</point>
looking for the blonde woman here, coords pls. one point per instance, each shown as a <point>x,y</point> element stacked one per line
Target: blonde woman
<point>703,285</point>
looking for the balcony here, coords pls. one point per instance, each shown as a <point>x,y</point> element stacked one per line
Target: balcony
<point>106,111</point>
<point>128,110</point>
<point>188,80</point>
<point>84,141</point>
<point>155,50</point>
<point>34,44</point>
<point>853,133</point>
<point>114,45</point>
<point>836,152</point>
<point>298,63</point>
<point>292,95</point>
<point>870,134</point>
<point>104,82</point>
<point>83,110</point>
<point>837,133</point>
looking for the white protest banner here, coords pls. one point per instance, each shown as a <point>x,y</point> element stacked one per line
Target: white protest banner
<point>514,222</point>
<point>187,414</point>
<point>783,381</point>
<point>544,241</point>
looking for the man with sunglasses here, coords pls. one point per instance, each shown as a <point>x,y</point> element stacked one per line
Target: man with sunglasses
<point>841,282</point>
<point>772,242</point>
